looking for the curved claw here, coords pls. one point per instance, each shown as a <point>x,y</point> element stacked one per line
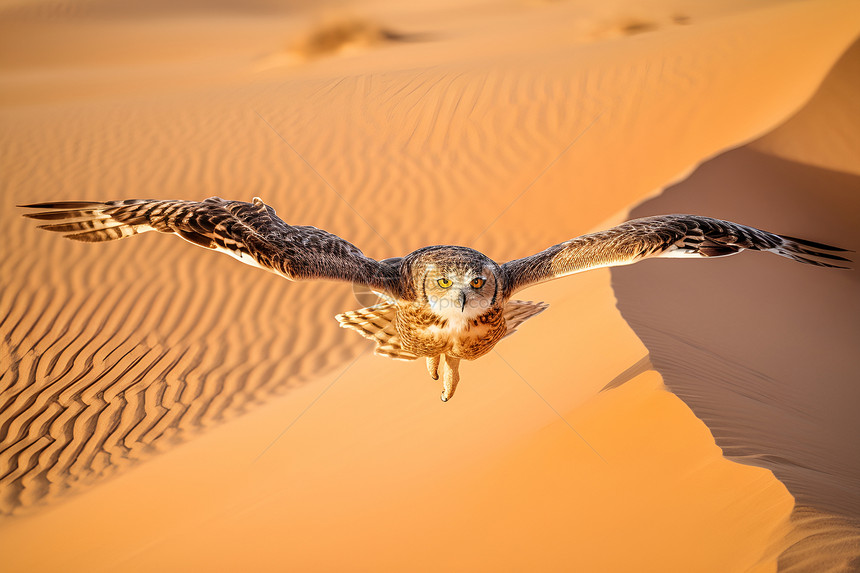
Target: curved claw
<point>433,366</point>
<point>450,377</point>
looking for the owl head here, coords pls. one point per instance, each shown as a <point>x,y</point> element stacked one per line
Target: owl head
<point>456,283</point>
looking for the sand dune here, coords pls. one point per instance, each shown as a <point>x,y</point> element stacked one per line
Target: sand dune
<point>780,393</point>
<point>826,131</point>
<point>506,129</point>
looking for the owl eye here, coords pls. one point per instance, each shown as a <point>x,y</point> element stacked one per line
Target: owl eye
<point>444,283</point>
<point>477,283</point>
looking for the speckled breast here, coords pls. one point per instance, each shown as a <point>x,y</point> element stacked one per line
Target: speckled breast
<point>425,334</point>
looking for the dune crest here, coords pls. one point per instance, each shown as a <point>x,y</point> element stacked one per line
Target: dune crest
<point>779,393</point>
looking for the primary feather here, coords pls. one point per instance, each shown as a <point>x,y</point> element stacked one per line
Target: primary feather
<point>661,236</point>
<point>250,232</point>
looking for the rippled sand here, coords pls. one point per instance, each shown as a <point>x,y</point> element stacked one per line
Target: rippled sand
<point>281,442</point>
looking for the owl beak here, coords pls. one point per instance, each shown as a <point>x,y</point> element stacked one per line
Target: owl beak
<point>462,301</point>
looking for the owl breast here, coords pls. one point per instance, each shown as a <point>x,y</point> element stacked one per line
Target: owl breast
<point>425,334</point>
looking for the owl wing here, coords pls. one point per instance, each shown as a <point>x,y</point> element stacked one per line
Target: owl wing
<point>250,232</point>
<point>661,236</point>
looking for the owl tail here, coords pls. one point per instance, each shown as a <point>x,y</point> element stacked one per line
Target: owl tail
<point>377,323</point>
<point>519,311</point>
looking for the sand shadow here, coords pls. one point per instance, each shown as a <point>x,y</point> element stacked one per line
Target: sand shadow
<point>763,350</point>
<point>333,36</point>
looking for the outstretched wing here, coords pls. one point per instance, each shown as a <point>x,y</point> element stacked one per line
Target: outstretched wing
<point>250,232</point>
<point>661,236</point>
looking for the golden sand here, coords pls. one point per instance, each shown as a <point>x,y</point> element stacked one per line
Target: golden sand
<point>166,408</point>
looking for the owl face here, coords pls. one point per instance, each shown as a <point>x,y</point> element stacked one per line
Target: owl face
<point>460,294</point>
<point>457,284</point>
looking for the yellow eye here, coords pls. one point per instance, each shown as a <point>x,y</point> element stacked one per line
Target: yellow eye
<point>477,283</point>
<point>444,283</point>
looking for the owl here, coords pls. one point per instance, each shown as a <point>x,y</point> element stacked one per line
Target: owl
<point>441,303</point>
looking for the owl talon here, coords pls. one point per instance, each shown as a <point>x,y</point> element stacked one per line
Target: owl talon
<point>433,366</point>
<point>450,378</point>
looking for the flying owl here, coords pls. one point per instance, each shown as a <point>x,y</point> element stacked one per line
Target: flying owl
<point>441,303</point>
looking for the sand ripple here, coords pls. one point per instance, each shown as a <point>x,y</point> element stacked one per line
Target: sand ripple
<point>95,379</point>
<point>111,354</point>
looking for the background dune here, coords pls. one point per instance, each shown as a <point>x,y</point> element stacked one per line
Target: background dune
<point>781,393</point>
<point>505,127</point>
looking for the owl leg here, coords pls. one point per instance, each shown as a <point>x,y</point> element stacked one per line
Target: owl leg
<point>433,366</point>
<point>450,377</point>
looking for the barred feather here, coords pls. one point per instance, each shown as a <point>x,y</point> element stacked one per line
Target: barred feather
<point>519,311</point>
<point>377,323</point>
<point>661,236</point>
<point>249,232</point>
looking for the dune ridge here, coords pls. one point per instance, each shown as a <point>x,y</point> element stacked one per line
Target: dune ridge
<point>781,393</point>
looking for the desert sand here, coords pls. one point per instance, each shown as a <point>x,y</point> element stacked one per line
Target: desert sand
<point>166,408</point>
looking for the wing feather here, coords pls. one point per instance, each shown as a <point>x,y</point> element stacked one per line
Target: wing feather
<point>249,232</point>
<point>377,323</point>
<point>661,236</point>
